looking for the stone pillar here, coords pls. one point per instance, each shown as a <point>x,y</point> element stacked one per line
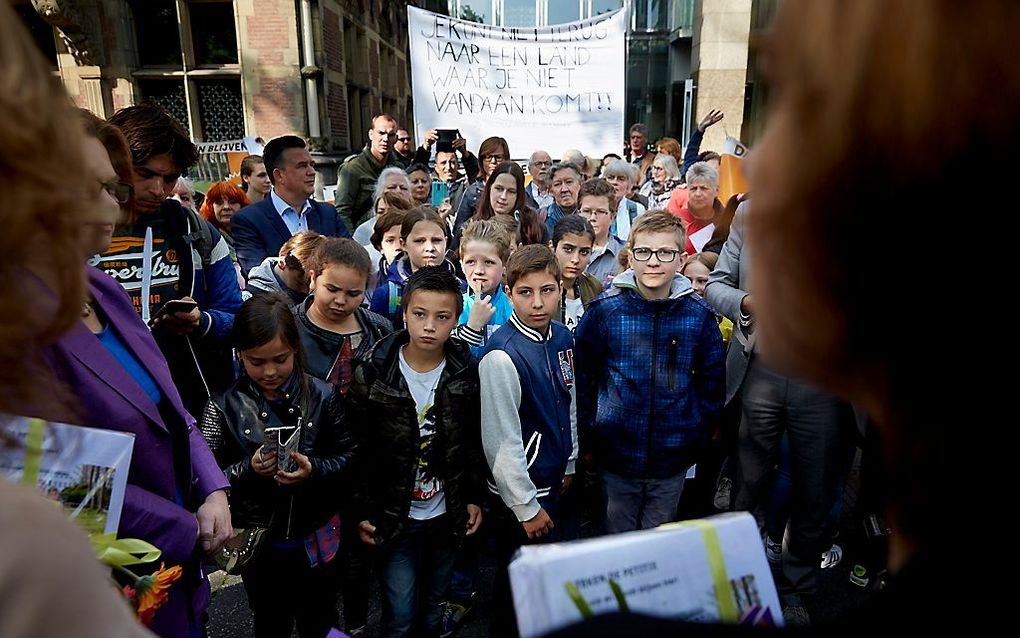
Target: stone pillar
<point>719,63</point>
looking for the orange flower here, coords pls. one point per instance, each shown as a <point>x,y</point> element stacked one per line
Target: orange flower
<point>152,591</point>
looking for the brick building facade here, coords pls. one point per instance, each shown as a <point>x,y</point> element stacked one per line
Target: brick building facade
<point>229,69</point>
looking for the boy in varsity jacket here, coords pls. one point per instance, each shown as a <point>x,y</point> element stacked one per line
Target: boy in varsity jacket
<point>529,424</point>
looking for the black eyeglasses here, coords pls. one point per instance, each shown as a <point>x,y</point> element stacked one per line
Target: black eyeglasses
<point>664,255</point>
<point>403,139</point>
<point>120,191</point>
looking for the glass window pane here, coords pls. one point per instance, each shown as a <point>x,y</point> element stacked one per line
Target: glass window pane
<point>169,94</point>
<point>519,13</point>
<point>605,6</point>
<point>475,11</point>
<point>561,11</point>
<point>212,32</point>
<point>221,110</point>
<point>658,17</point>
<point>159,43</point>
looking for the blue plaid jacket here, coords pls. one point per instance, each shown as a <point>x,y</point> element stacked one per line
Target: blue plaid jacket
<point>650,379</point>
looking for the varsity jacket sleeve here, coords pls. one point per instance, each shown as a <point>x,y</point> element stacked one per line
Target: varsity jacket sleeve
<point>723,290</point>
<point>468,335</point>
<point>501,434</point>
<point>221,297</point>
<point>589,365</point>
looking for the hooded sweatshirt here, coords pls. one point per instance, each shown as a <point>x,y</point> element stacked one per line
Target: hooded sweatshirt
<point>263,279</point>
<point>650,378</point>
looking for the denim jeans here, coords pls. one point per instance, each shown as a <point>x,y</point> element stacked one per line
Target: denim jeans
<point>633,504</point>
<point>416,567</point>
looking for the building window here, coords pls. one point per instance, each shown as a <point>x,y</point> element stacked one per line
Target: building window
<point>159,41</point>
<point>563,11</point>
<point>188,63</point>
<point>221,109</point>
<point>531,13</point>
<point>212,33</point>
<point>41,31</point>
<point>167,93</point>
<point>598,7</point>
<point>519,13</point>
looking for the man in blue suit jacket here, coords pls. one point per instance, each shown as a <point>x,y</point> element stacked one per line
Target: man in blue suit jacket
<point>261,229</point>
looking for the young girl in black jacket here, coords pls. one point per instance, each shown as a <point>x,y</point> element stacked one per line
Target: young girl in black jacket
<point>291,574</point>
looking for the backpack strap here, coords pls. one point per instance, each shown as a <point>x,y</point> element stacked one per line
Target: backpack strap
<point>200,238</point>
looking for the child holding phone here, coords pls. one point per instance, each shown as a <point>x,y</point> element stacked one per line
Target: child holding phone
<point>291,578</point>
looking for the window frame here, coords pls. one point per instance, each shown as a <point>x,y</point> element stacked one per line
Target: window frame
<point>191,73</point>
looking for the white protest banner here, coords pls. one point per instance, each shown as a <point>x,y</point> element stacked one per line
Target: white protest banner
<point>551,88</point>
<point>222,160</point>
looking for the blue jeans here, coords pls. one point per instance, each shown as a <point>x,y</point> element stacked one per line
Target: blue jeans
<point>416,568</point>
<point>640,503</point>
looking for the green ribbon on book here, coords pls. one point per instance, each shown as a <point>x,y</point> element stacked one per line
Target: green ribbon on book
<point>33,452</point>
<point>122,552</point>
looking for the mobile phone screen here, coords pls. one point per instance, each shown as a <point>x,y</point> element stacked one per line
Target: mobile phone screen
<point>440,191</point>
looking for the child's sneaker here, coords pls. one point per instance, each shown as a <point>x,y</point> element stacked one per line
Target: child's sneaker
<point>832,557</point>
<point>773,550</point>
<point>453,616</point>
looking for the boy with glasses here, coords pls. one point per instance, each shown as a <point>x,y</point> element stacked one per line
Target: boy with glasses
<point>597,202</point>
<point>650,378</point>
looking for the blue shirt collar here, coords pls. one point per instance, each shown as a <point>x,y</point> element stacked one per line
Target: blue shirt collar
<point>282,207</point>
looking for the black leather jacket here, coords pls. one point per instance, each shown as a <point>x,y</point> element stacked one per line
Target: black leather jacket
<point>386,420</point>
<point>233,425</point>
<point>323,346</point>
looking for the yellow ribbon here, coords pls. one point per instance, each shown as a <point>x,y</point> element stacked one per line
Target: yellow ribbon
<point>717,568</point>
<point>33,452</point>
<point>121,552</point>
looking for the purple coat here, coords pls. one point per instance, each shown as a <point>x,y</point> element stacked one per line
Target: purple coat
<point>109,398</point>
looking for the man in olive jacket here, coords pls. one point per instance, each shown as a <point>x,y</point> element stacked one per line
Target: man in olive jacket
<point>357,177</point>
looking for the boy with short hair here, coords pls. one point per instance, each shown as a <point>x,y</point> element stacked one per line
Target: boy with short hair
<point>484,250</point>
<point>416,397</point>
<point>529,430</point>
<point>597,202</point>
<point>572,241</point>
<point>653,336</point>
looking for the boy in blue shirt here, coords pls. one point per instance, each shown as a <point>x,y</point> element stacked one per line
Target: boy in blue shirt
<point>650,382</point>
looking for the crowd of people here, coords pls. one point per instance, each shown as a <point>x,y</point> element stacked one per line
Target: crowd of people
<point>445,364</point>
